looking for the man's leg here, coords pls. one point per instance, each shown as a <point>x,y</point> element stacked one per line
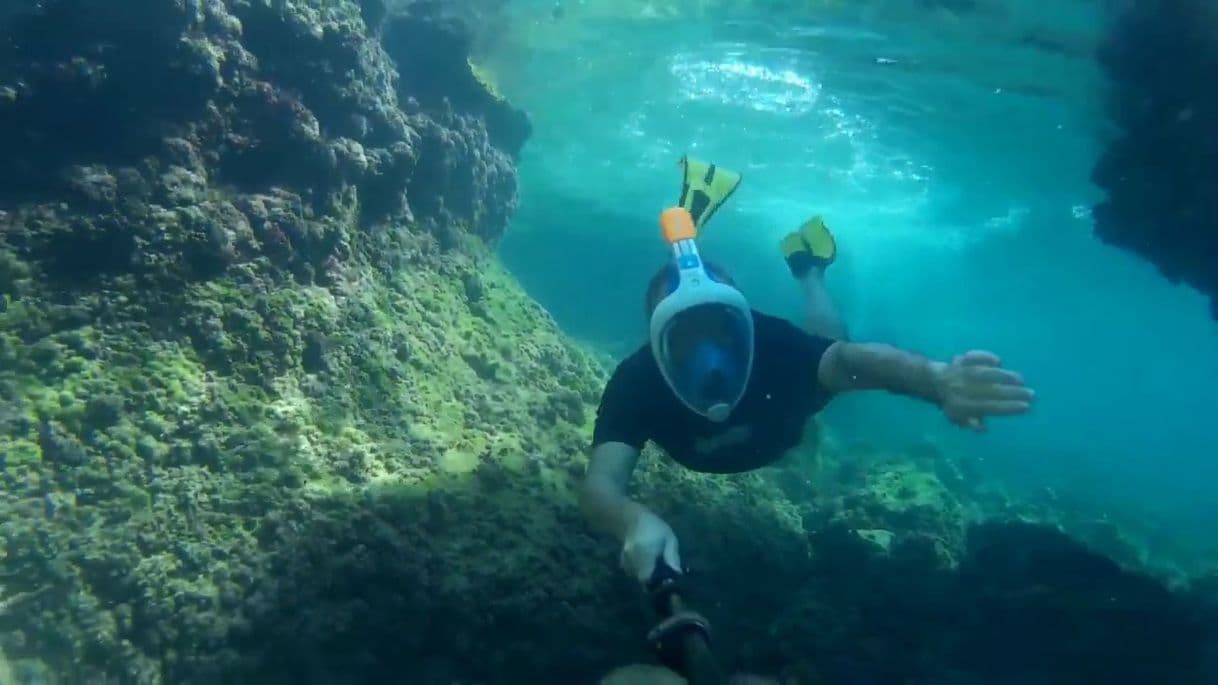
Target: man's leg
<point>809,251</point>
<point>824,319</point>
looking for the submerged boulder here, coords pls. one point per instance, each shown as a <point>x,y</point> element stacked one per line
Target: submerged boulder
<point>1160,171</point>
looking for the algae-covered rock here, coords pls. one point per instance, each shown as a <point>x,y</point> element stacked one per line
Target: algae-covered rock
<point>227,317</point>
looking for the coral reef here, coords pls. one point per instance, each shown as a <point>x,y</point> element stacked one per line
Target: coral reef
<point>1161,171</point>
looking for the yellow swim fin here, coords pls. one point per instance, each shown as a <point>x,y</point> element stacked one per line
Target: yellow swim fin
<point>810,246</point>
<point>793,244</point>
<point>818,238</point>
<point>705,187</point>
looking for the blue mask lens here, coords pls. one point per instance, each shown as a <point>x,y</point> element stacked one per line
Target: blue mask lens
<point>709,370</point>
<point>705,355</point>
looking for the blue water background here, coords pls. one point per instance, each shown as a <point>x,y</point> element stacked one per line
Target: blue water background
<point>949,151</point>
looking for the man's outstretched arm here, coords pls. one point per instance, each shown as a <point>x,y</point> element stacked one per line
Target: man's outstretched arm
<point>970,388</point>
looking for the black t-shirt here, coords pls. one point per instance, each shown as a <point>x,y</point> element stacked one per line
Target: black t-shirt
<point>783,391</point>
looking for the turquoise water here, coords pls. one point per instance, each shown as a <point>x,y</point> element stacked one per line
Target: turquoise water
<point>949,151</point>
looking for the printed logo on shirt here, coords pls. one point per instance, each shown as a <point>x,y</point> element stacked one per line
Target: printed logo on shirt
<point>732,437</point>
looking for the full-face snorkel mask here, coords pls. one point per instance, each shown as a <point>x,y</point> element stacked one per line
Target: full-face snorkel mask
<point>702,330</point>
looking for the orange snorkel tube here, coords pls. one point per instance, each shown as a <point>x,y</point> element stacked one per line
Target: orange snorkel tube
<point>678,228</point>
<point>677,224</point>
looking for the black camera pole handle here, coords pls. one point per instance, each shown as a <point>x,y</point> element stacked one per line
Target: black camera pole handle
<point>682,637</point>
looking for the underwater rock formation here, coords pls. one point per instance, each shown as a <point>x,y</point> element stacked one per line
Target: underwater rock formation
<point>249,97</point>
<point>244,280</point>
<point>1161,171</point>
<point>1026,604</point>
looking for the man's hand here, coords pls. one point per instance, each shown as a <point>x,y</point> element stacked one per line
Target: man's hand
<point>975,386</point>
<point>647,540</point>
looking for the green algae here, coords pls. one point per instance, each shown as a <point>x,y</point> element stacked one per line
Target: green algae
<point>19,453</point>
<point>186,433</point>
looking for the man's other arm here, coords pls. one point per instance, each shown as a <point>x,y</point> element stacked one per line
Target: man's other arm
<point>970,388</point>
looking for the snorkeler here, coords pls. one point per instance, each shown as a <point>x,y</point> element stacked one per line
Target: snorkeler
<point>724,388</point>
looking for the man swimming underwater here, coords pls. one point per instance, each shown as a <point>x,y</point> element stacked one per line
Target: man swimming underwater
<point>723,388</point>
